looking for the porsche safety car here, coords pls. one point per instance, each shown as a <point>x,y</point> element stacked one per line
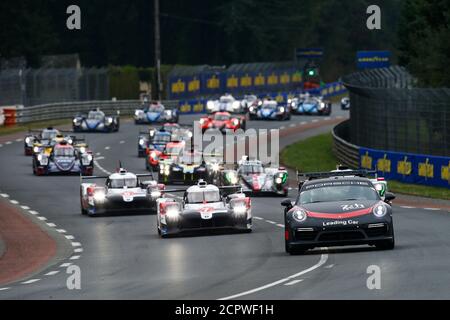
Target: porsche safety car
<point>226,103</point>
<point>337,209</point>
<point>312,106</point>
<point>270,110</point>
<point>122,192</point>
<point>204,207</point>
<point>63,159</point>
<point>223,121</point>
<point>155,112</point>
<point>96,121</point>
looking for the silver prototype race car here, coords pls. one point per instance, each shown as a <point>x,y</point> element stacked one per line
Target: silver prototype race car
<point>226,103</point>
<point>204,207</point>
<point>123,192</point>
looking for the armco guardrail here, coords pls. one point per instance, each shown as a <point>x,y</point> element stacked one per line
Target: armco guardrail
<point>66,110</point>
<point>347,153</point>
<point>404,167</point>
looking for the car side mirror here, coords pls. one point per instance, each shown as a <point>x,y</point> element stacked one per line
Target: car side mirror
<point>389,196</point>
<point>287,203</point>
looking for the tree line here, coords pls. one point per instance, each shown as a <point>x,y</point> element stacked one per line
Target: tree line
<point>193,32</point>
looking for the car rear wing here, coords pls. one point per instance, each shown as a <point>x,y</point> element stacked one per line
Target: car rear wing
<point>324,175</point>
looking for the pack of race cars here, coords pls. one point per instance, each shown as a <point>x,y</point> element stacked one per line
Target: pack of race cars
<point>341,207</point>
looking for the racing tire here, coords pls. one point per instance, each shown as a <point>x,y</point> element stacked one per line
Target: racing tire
<point>298,250</point>
<point>385,245</point>
<point>84,211</point>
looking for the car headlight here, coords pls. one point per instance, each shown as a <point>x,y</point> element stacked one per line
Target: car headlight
<point>236,105</point>
<point>155,194</point>
<point>293,104</point>
<point>173,212</point>
<point>76,122</point>
<point>282,109</point>
<point>240,209</point>
<point>152,133</point>
<point>190,134</point>
<point>36,149</point>
<point>28,140</point>
<point>235,122</point>
<point>137,113</point>
<point>289,101</point>
<point>251,109</point>
<point>260,103</point>
<point>321,106</point>
<point>232,178</point>
<point>153,155</point>
<point>141,142</point>
<point>82,149</point>
<point>99,196</point>
<point>109,121</point>
<point>215,167</point>
<point>379,210</point>
<point>69,141</point>
<point>300,215</point>
<point>202,121</point>
<point>169,113</point>
<point>210,105</point>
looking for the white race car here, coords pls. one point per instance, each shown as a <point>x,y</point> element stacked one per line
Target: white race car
<point>123,192</point>
<point>226,103</point>
<point>204,207</point>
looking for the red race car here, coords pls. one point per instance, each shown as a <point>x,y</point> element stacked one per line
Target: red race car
<point>223,121</point>
<point>154,157</point>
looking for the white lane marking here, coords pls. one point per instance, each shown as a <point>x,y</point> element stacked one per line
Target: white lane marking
<point>315,120</point>
<point>432,209</point>
<point>4,289</point>
<point>65,265</point>
<point>282,127</point>
<point>293,282</point>
<point>339,117</point>
<point>8,143</point>
<point>329,266</point>
<point>280,225</point>
<point>122,142</point>
<point>107,148</point>
<point>34,213</point>
<point>1,145</point>
<point>4,195</point>
<point>271,222</point>
<point>291,125</point>
<point>101,168</point>
<point>14,201</point>
<point>327,119</point>
<point>76,244</point>
<point>42,218</point>
<point>19,140</point>
<point>31,281</point>
<point>303,123</point>
<point>322,261</point>
<point>51,224</point>
<point>407,207</point>
<point>52,273</point>
<point>70,237</point>
<point>98,154</point>
<point>100,158</point>
<point>25,207</point>
<point>61,230</point>
<point>258,218</point>
<point>78,250</point>
<point>75,257</point>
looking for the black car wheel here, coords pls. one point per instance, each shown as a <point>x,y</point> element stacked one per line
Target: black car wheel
<point>386,244</point>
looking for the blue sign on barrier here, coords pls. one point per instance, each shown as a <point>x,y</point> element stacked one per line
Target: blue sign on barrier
<point>373,59</point>
<point>408,168</point>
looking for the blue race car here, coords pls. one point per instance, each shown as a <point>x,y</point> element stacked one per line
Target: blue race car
<point>153,140</point>
<point>96,121</point>
<point>312,106</point>
<point>155,112</point>
<point>271,110</point>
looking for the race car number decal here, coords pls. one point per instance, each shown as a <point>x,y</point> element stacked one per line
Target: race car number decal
<point>355,206</point>
<point>128,196</point>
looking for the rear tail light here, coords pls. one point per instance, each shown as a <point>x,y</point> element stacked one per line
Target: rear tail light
<point>286,235</point>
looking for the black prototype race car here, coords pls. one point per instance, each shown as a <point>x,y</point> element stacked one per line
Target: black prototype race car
<point>338,209</point>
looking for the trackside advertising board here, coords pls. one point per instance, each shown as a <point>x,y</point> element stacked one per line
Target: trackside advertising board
<point>406,167</point>
<point>373,59</point>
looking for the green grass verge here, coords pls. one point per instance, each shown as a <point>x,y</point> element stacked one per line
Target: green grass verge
<point>5,130</point>
<point>315,154</point>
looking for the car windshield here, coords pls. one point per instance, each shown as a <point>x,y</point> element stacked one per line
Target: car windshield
<point>338,193</point>
<point>162,138</point>
<point>270,105</point>
<point>123,182</point>
<point>48,135</point>
<point>252,169</point>
<point>174,150</point>
<point>64,152</point>
<point>155,108</point>
<point>250,98</point>
<point>226,100</point>
<point>222,117</point>
<point>310,100</point>
<point>96,115</point>
<point>203,197</point>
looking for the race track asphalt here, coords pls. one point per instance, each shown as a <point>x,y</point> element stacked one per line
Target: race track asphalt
<point>123,257</point>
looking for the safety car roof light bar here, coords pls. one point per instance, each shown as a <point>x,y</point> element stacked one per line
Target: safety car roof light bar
<point>322,175</point>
